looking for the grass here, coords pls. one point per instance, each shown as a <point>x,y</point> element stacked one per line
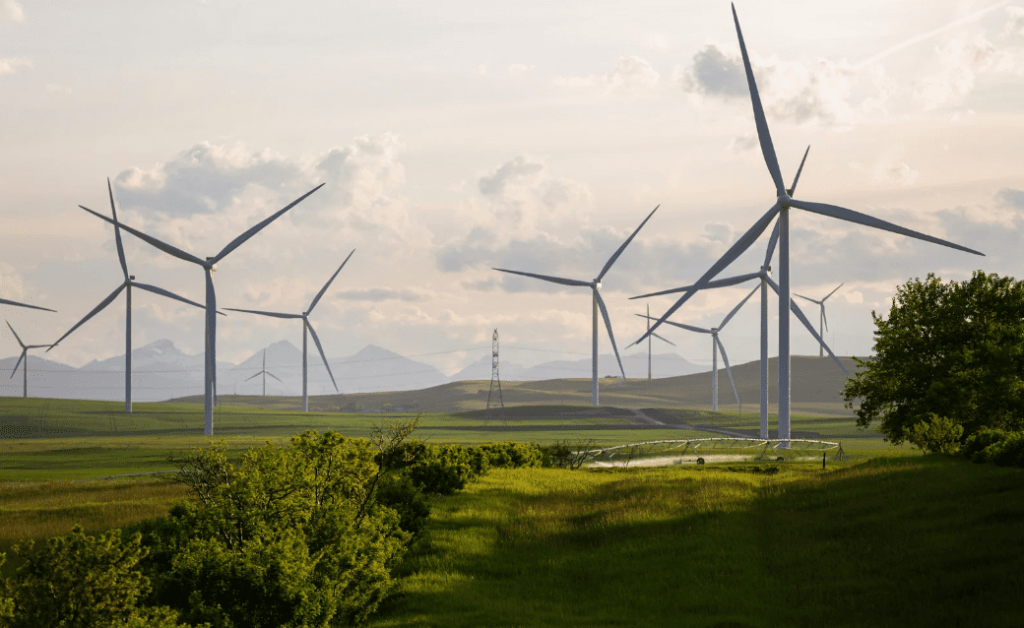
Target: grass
<point>888,542</point>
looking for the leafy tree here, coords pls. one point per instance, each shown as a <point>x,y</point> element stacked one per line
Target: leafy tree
<point>951,349</point>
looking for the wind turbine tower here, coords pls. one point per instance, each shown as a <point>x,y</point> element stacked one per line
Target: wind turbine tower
<point>264,373</point>
<point>24,356</point>
<point>598,302</point>
<point>127,285</point>
<point>306,326</point>
<point>783,204</point>
<point>209,265</point>
<point>822,321</point>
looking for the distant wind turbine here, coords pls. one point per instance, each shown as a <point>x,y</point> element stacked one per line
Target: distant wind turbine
<point>264,373</point>
<point>649,351</point>
<point>306,326</point>
<point>784,202</point>
<point>716,345</point>
<point>24,356</point>
<point>598,302</point>
<point>209,265</point>
<point>822,322</point>
<point>127,285</point>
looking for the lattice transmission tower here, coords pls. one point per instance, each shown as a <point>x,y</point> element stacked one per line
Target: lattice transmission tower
<point>495,381</point>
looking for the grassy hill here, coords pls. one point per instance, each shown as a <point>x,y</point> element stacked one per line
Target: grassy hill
<point>816,386</point>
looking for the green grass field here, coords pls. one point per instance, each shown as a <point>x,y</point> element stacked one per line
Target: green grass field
<point>887,537</point>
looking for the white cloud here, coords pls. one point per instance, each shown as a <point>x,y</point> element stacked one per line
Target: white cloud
<point>519,69</point>
<point>11,284</point>
<point>54,88</point>
<point>10,65</point>
<point>631,75</point>
<point>11,10</point>
<point>656,42</point>
<point>1015,23</point>
<point>797,92</point>
<point>960,61</point>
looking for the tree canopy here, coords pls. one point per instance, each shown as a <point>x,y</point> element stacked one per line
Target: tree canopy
<point>953,350</point>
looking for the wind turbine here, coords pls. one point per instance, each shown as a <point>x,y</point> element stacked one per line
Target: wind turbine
<point>264,373</point>
<point>783,203</point>
<point>764,275</point>
<point>209,265</point>
<point>595,287</point>
<point>649,352</point>
<point>822,322</point>
<point>716,345</point>
<point>306,326</point>
<point>127,285</point>
<point>24,356</point>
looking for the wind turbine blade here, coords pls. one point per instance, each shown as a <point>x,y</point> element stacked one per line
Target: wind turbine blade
<point>833,292</point>
<point>852,216</point>
<point>16,336</point>
<point>622,248</point>
<point>564,282</point>
<point>261,313</point>
<point>163,246</point>
<point>728,369</point>
<point>793,307</point>
<point>792,190</point>
<point>717,283</point>
<point>254,376</point>
<point>608,326</point>
<point>320,348</point>
<point>824,318</point>
<point>24,352</point>
<point>772,241</point>
<point>274,376</point>
<point>763,136</point>
<point>664,339</point>
<point>807,298</point>
<point>117,232</point>
<point>737,308</point>
<point>166,293</point>
<point>730,256</point>
<point>96,310</point>
<point>699,330</point>
<point>34,307</point>
<point>327,285</point>
<point>237,242</point>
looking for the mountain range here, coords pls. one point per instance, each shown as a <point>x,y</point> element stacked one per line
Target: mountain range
<point>161,371</point>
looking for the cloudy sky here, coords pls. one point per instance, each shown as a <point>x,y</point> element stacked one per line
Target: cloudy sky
<point>458,136</point>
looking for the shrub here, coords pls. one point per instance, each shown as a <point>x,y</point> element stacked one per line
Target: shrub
<point>936,435</point>
<point>442,469</point>
<point>563,454</point>
<point>976,445</point>
<point>1001,447</point>
<point>511,455</point>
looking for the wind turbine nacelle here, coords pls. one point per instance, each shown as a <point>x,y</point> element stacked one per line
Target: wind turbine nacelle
<point>597,284</point>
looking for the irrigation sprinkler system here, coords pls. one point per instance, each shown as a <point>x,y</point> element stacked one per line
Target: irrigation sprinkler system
<point>701,447</point>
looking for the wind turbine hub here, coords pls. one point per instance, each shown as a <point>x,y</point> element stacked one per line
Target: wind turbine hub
<point>784,199</point>
<point>597,284</point>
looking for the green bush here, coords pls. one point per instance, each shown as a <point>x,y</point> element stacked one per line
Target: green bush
<point>511,455</point>
<point>80,581</point>
<point>1002,447</point>
<point>442,469</point>
<point>936,435</point>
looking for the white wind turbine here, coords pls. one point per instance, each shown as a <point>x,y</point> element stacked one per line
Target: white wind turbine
<point>264,373</point>
<point>716,345</point>
<point>208,265</point>
<point>306,326</point>
<point>127,285</point>
<point>764,275</point>
<point>24,356</point>
<point>649,351</point>
<point>595,287</point>
<point>783,203</point>
<point>822,321</point>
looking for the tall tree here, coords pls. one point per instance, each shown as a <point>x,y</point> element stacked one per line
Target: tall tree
<point>953,349</point>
